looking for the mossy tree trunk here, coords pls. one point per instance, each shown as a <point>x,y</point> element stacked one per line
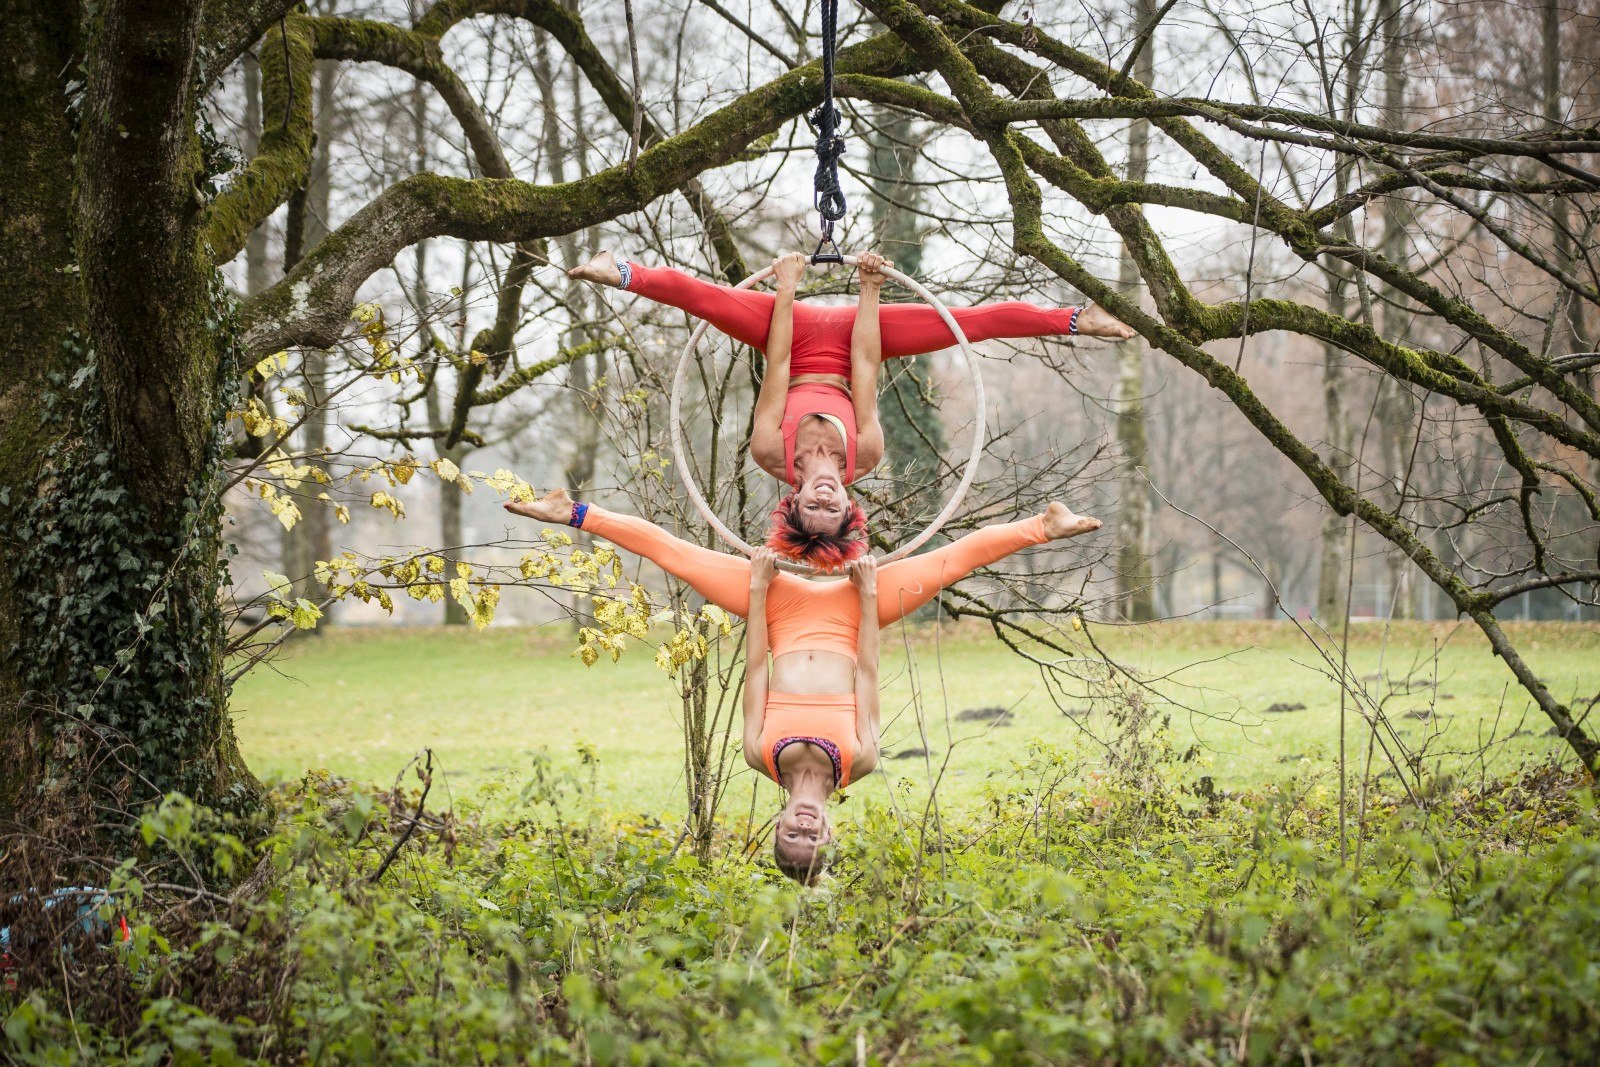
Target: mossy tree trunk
<point>1333,574</point>
<point>117,357</point>
<point>1395,420</point>
<point>1135,584</point>
<point>913,432</point>
<point>311,540</point>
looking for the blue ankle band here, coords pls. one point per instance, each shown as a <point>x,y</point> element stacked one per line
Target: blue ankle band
<point>626,270</point>
<point>1072,322</point>
<point>578,512</point>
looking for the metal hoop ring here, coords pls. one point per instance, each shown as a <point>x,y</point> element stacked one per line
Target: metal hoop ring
<point>680,453</point>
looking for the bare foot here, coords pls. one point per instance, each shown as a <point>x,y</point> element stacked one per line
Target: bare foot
<point>554,506</point>
<point>1060,522</point>
<point>603,269</point>
<point>1096,321</point>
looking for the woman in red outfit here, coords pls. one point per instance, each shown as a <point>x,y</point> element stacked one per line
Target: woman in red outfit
<point>816,420</point>
<point>811,719</point>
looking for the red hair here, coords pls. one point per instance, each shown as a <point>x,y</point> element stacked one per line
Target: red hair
<point>825,551</point>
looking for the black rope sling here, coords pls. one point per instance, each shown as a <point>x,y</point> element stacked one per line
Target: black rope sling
<point>825,121</point>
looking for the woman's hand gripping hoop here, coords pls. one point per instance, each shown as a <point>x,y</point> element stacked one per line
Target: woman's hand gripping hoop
<point>680,453</point>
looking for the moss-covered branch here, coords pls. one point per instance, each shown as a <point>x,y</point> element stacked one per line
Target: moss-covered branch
<point>1081,159</point>
<point>528,375</point>
<point>229,27</point>
<point>1294,227</point>
<point>405,435</point>
<point>370,41</point>
<point>283,157</point>
<point>569,31</point>
<point>1437,372</point>
<point>309,306</point>
<point>1391,183</point>
<point>1029,238</point>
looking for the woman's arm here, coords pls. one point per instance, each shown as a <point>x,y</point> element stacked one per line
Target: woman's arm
<point>866,355</point>
<point>763,565</point>
<point>864,576</point>
<point>766,432</point>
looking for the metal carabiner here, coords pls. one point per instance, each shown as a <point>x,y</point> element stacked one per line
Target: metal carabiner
<point>819,256</point>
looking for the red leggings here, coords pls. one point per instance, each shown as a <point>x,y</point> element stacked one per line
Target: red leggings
<point>809,615</point>
<point>822,331</point>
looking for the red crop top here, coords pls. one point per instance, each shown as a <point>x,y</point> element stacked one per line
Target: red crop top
<point>818,398</point>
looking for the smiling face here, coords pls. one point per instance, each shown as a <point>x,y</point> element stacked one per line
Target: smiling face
<point>818,524</point>
<point>822,504</point>
<point>802,832</point>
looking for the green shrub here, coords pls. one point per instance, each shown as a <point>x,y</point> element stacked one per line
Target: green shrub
<point>1073,920</point>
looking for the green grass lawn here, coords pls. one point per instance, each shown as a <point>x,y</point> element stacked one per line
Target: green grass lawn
<point>361,702</point>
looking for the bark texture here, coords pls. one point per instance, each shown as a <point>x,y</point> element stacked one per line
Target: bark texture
<point>112,645</point>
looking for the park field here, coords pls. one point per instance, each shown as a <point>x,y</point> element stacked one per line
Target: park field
<point>360,702</point>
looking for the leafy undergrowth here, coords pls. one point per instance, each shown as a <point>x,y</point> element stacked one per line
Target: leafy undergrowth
<point>1120,920</point>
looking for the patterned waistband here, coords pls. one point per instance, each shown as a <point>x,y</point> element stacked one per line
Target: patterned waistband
<point>827,746</point>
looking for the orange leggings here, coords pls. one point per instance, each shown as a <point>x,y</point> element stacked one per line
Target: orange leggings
<point>811,615</point>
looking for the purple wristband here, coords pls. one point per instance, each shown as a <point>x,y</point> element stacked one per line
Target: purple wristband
<point>578,512</point>
<point>1072,321</point>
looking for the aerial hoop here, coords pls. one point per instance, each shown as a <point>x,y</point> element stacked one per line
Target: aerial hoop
<point>680,454</point>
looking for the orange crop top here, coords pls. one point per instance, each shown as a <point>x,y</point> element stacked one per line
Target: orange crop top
<point>812,616</point>
<point>832,404</point>
<point>827,720</point>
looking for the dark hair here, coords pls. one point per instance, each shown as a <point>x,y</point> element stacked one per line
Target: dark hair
<point>806,871</point>
<point>827,551</point>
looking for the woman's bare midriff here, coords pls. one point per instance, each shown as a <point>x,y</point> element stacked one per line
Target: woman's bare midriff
<point>812,672</point>
<point>821,379</point>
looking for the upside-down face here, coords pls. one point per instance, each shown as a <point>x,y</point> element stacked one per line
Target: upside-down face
<point>800,840</point>
<point>819,524</point>
<point>822,503</point>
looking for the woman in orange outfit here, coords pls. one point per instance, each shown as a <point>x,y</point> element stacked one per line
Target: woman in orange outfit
<point>816,419</point>
<point>811,719</point>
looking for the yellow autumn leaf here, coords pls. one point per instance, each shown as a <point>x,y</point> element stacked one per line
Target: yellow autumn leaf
<point>266,368</point>
<point>445,469</point>
<point>255,418</point>
<point>483,610</point>
<point>287,511</point>
<point>306,614</point>
<point>501,481</point>
<point>390,504</point>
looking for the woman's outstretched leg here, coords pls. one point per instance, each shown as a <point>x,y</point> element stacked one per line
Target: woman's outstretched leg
<point>907,584</point>
<point>722,578</point>
<point>911,329</point>
<point>743,314</point>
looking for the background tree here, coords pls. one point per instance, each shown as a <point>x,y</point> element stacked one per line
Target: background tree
<point>1133,510</point>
